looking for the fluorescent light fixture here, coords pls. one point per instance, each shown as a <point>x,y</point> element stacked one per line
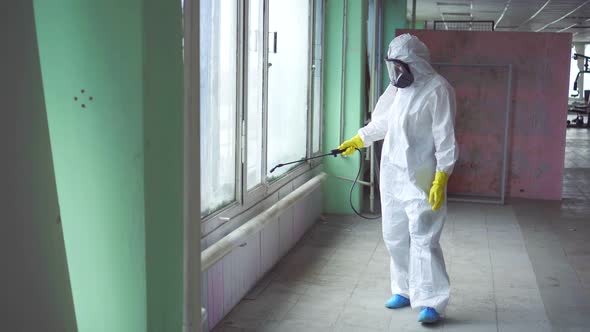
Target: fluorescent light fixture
<point>456,14</point>
<point>460,4</point>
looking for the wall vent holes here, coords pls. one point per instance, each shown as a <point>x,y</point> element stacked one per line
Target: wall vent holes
<point>84,100</point>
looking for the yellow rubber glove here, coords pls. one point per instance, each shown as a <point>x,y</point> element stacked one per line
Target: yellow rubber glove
<point>351,145</point>
<point>437,192</point>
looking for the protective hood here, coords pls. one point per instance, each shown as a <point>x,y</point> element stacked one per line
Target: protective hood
<point>412,51</point>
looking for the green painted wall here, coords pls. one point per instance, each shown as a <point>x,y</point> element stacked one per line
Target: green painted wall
<point>117,160</point>
<point>336,191</point>
<point>163,141</point>
<point>394,17</point>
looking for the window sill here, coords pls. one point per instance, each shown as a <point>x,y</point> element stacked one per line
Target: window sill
<point>224,221</point>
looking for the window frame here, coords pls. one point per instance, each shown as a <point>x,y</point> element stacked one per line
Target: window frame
<point>246,199</point>
<point>318,161</point>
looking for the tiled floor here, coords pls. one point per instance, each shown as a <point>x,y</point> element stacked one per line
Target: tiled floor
<point>520,267</point>
<point>557,239</point>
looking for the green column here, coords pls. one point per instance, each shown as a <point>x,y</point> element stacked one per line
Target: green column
<point>36,293</point>
<point>118,157</point>
<point>163,130</point>
<point>394,17</point>
<point>93,49</point>
<point>336,191</point>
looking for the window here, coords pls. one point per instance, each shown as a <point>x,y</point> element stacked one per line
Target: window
<point>254,88</point>
<point>255,99</point>
<point>573,72</point>
<point>218,45</point>
<point>317,76</point>
<point>287,82</point>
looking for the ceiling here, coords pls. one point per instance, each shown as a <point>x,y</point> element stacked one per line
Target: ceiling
<point>569,16</point>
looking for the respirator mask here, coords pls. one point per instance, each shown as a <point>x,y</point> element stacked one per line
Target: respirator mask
<point>399,73</point>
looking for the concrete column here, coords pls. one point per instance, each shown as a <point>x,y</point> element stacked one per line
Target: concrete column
<point>163,157</point>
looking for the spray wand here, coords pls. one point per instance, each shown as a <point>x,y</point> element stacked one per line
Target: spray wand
<point>335,153</point>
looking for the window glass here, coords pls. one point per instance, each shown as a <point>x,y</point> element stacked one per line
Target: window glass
<point>287,82</point>
<point>254,88</point>
<point>317,77</point>
<point>218,71</point>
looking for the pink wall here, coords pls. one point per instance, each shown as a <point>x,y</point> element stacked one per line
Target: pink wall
<point>540,75</point>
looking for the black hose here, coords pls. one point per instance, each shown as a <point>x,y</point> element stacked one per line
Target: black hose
<point>334,153</point>
<point>352,188</point>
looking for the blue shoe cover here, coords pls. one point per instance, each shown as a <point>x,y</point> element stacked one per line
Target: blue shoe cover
<point>428,315</point>
<point>397,301</point>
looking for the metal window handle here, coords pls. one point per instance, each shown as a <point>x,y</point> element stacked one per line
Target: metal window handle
<point>274,42</point>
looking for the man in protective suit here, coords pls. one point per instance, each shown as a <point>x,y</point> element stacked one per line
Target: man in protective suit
<point>414,117</point>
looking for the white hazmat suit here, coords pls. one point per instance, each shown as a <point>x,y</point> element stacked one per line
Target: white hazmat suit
<point>416,124</point>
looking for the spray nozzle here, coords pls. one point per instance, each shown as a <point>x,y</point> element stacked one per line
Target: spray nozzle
<point>336,152</point>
